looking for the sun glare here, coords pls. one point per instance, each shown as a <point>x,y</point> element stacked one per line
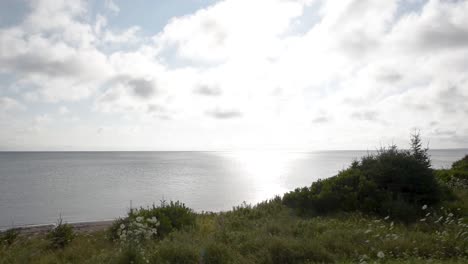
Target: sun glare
<point>266,171</point>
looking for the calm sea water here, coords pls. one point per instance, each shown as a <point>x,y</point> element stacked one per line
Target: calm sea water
<point>37,187</point>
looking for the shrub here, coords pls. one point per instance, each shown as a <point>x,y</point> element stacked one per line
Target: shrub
<point>457,176</point>
<point>61,235</point>
<point>9,236</point>
<point>284,250</point>
<point>175,252</point>
<point>114,230</point>
<point>130,254</point>
<point>461,165</point>
<point>216,253</point>
<point>164,218</point>
<point>138,229</point>
<point>392,182</point>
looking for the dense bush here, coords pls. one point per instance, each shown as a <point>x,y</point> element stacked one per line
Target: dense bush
<point>164,218</point>
<point>392,182</point>
<point>461,165</point>
<point>176,252</point>
<point>9,236</point>
<point>455,177</point>
<point>61,235</point>
<point>216,253</point>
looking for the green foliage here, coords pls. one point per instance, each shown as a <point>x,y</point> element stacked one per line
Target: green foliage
<point>216,253</point>
<point>457,176</point>
<point>281,250</point>
<point>461,164</point>
<point>164,218</point>
<point>418,152</point>
<point>392,182</point>
<point>130,254</point>
<point>271,233</point>
<point>61,235</point>
<point>9,236</point>
<point>113,231</point>
<point>176,252</point>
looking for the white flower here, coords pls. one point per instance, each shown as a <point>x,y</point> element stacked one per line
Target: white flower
<point>423,219</point>
<point>387,217</point>
<point>139,219</point>
<point>122,226</point>
<point>380,254</point>
<point>424,207</point>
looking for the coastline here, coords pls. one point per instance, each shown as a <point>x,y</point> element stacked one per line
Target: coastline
<point>82,227</point>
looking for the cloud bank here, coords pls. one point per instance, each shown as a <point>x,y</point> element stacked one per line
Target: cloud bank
<point>314,74</point>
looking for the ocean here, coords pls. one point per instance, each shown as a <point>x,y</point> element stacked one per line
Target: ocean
<point>40,187</point>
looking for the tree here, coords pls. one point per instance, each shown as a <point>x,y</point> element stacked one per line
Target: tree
<point>418,152</point>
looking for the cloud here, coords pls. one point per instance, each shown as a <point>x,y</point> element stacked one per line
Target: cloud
<point>208,90</point>
<point>452,99</point>
<point>112,6</point>
<point>9,104</point>
<point>219,113</point>
<point>440,26</point>
<point>142,88</point>
<point>63,110</point>
<point>365,115</point>
<point>359,59</point>
<point>321,120</point>
<point>216,33</point>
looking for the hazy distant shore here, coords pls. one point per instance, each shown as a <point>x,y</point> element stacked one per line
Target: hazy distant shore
<point>89,226</point>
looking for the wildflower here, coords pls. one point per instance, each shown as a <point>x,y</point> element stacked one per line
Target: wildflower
<point>380,254</point>
<point>139,219</point>
<point>387,217</point>
<point>424,207</point>
<point>450,215</point>
<point>423,219</point>
<point>153,220</point>
<point>122,226</point>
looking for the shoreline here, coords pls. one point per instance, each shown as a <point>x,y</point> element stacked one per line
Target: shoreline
<point>82,227</point>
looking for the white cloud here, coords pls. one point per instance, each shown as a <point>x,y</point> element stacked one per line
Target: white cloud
<point>362,67</point>
<point>10,105</point>
<point>112,6</point>
<point>230,29</point>
<point>63,110</point>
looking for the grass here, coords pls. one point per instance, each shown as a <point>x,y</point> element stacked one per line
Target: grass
<point>271,233</point>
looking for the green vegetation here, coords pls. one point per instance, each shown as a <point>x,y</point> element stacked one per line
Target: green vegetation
<point>61,235</point>
<point>386,208</point>
<point>9,236</point>
<point>457,176</point>
<point>164,218</point>
<point>393,182</point>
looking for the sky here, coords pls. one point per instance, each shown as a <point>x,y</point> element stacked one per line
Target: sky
<point>233,74</point>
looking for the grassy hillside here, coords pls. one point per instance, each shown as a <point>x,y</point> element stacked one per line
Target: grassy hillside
<point>338,221</point>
